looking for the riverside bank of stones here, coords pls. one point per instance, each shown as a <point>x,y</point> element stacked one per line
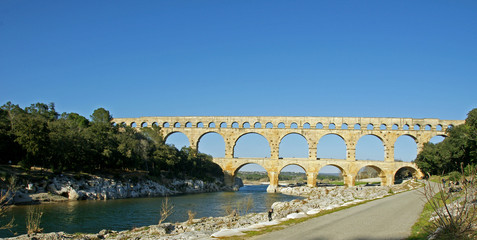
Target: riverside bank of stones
<point>312,129</point>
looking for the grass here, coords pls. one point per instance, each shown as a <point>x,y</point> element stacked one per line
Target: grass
<point>423,227</point>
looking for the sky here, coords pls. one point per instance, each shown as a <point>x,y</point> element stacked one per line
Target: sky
<point>414,59</point>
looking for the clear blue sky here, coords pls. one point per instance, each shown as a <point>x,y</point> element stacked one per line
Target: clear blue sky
<point>273,58</point>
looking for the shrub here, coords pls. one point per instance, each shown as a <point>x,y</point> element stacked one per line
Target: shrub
<point>454,176</point>
<point>454,207</point>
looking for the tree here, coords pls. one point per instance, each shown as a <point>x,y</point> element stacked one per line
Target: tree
<point>101,115</point>
<point>458,149</point>
<point>31,132</point>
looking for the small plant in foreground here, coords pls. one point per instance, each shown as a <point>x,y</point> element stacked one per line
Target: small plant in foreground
<point>454,207</point>
<point>5,199</point>
<point>33,220</point>
<point>191,216</point>
<point>166,210</point>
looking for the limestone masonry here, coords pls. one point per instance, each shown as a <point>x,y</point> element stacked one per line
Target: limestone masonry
<point>274,129</point>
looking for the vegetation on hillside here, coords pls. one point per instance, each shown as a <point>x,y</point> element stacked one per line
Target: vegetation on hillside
<point>456,151</point>
<point>38,136</point>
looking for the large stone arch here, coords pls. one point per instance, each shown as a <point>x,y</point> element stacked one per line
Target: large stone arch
<point>290,134</point>
<point>175,132</point>
<point>291,164</point>
<point>333,134</point>
<point>381,173</point>
<point>383,142</point>
<point>414,171</point>
<point>249,133</point>
<point>209,133</point>
<point>280,168</point>
<point>393,149</point>
<point>345,172</point>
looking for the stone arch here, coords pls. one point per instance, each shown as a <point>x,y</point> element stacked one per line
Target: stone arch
<point>367,141</point>
<point>177,125</point>
<point>296,173</point>
<point>291,164</point>
<point>237,169</point>
<point>217,147</point>
<point>212,125</point>
<point>403,173</point>
<point>267,155</point>
<point>280,152</point>
<point>344,174</point>
<point>437,138</point>
<point>155,124</point>
<point>257,125</point>
<point>344,126</point>
<point>357,126</point>
<point>380,173</point>
<point>254,164</point>
<point>401,144</point>
<point>306,125</point>
<point>144,124</point>
<point>188,125</point>
<point>180,139</point>
<point>165,124</point>
<point>293,125</point>
<point>333,146</point>
<point>246,125</point>
<point>133,125</point>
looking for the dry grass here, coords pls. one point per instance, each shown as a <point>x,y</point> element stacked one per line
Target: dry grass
<point>454,209</point>
<point>166,210</point>
<point>5,199</point>
<point>191,216</point>
<point>33,220</point>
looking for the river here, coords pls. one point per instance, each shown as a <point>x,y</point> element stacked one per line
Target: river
<point>92,216</point>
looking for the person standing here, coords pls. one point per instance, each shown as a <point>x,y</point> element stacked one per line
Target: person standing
<point>270,212</point>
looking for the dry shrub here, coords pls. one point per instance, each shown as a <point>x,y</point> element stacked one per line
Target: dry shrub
<point>191,216</point>
<point>454,207</point>
<point>166,210</point>
<point>6,196</point>
<point>33,220</point>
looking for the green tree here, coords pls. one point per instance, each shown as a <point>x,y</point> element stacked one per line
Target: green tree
<point>101,115</point>
<point>31,132</point>
<point>458,149</point>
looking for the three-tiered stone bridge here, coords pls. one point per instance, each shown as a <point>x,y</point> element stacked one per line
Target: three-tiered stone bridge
<point>274,129</point>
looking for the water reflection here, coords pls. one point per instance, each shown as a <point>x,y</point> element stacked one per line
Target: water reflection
<point>92,216</point>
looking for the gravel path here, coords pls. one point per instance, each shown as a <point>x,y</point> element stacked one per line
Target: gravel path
<point>387,218</point>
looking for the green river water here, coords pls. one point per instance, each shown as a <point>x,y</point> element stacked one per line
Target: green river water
<point>92,216</point>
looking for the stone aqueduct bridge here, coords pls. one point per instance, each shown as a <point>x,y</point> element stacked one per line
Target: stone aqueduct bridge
<point>274,129</point>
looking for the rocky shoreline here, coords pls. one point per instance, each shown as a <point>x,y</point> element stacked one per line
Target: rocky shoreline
<point>67,188</point>
<point>317,200</point>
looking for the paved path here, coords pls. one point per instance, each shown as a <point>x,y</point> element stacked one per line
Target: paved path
<point>387,218</point>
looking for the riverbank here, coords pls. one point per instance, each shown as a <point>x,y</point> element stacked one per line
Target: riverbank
<point>238,222</point>
<point>40,186</point>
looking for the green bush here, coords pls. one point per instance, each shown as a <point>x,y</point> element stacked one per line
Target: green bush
<point>454,176</point>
